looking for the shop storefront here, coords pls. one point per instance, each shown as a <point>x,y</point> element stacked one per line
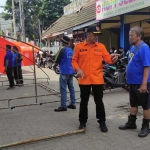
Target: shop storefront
<point>125,14</point>
<point>115,18</point>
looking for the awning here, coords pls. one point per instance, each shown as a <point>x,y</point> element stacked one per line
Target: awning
<point>85,14</point>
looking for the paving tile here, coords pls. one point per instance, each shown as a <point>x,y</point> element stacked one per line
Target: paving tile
<point>26,123</point>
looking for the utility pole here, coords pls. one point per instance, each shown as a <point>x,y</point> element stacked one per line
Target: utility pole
<point>22,20</point>
<point>14,19</point>
<point>39,32</point>
<point>23,26</point>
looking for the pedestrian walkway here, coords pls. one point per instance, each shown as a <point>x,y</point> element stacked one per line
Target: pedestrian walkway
<point>37,121</point>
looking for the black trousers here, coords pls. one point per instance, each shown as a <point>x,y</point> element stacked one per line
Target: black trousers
<point>18,74</point>
<point>98,96</point>
<point>10,76</point>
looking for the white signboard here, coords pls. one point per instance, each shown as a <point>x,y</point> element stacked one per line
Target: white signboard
<point>109,8</point>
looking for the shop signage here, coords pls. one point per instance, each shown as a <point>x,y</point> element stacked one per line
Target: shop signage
<point>110,8</point>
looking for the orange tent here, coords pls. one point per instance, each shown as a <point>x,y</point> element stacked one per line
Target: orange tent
<point>24,49</point>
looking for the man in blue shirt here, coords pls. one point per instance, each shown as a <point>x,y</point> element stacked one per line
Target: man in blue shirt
<point>64,59</point>
<point>8,64</point>
<point>17,66</point>
<point>138,78</point>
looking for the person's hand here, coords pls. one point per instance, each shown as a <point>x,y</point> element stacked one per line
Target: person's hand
<point>80,73</point>
<point>143,88</point>
<point>114,57</point>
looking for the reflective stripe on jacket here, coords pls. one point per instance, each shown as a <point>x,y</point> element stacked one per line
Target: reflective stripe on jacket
<point>89,60</point>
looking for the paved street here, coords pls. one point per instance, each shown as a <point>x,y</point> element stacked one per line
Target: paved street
<point>29,122</point>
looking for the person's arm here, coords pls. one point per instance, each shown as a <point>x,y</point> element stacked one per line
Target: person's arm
<point>145,75</point>
<point>75,58</point>
<point>143,87</point>
<point>145,59</point>
<point>59,55</point>
<point>6,62</point>
<point>110,59</point>
<point>75,63</point>
<point>19,58</point>
<point>6,65</point>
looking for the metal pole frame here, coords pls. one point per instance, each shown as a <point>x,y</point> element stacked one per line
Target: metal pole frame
<point>38,138</point>
<point>42,138</point>
<point>14,20</point>
<point>33,69</point>
<point>23,55</point>
<point>34,74</point>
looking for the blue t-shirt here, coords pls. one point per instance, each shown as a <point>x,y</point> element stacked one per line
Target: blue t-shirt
<point>65,62</point>
<point>16,61</point>
<point>8,56</point>
<point>135,67</point>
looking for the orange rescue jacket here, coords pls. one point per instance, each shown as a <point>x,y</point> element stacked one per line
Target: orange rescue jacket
<point>89,60</point>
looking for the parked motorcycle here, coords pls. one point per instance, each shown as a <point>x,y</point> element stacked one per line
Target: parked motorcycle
<point>51,61</point>
<point>56,68</point>
<point>115,76</point>
<point>52,65</point>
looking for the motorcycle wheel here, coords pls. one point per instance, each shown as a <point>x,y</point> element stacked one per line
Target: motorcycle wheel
<point>46,65</point>
<point>50,65</point>
<point>107,85</point>
<point>57,70</point>
<point>126,87</point>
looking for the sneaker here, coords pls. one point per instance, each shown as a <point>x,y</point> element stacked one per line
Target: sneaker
<point>103,126</point>
<point>82,126</point>
<point>71,106</point>
<point>60,109</point>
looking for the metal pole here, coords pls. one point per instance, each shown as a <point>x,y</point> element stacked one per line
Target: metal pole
<point>14,19</point>
<point>39,31</point>
<point>34,74</point>
<point>110,39</point>
<point>22,20</point>
<point>23,26</point>
<point>42,138</point>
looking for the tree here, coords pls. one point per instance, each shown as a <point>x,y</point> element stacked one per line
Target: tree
<point>51,10</point>
<point>31,10</point>
<point>8,9</point>
<point>48,11</point>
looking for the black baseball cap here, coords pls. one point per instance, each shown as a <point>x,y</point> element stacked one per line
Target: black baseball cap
<point>65,40</point>
<point>94,29</point>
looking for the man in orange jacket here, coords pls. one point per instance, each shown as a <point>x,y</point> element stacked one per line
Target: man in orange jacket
<point>87,62</point>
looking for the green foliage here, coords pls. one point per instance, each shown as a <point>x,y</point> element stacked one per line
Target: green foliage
<point>48,11</point>
<point>51,10</point>
<point>8,9</point>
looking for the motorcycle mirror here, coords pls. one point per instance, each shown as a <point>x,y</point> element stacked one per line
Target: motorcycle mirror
<point>121,55</point>
<point>127,53</point>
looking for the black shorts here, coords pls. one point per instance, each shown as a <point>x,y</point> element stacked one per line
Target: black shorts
<point>137,98</point>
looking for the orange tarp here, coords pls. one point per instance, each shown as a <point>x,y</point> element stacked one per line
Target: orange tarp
<point>24,49</point>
